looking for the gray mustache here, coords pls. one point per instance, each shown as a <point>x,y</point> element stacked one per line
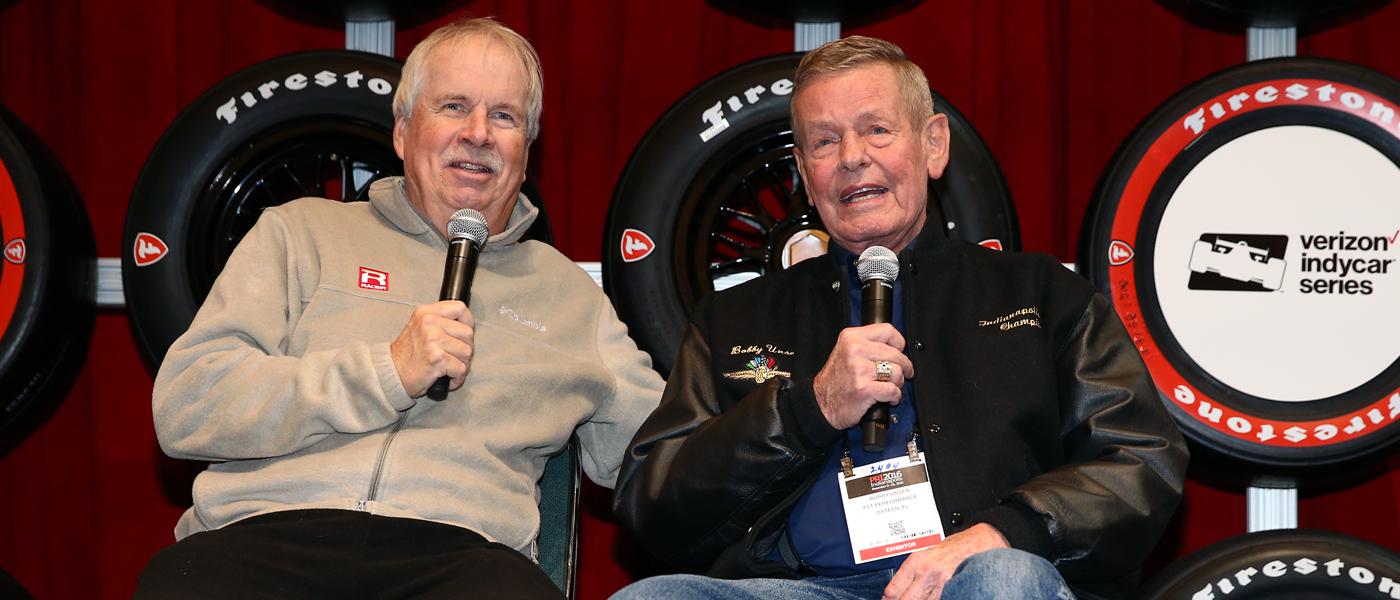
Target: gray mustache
<point>485,158</point>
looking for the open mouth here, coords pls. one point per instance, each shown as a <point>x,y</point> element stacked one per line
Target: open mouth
<point>472,167</point>
<point>863,192</point>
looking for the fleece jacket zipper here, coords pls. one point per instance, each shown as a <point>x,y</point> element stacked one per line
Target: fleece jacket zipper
<point>379,464</point>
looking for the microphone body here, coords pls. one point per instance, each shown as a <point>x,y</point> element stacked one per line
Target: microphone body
<point>457,273</point>
<point>878,268</point>
<point>467,230</point>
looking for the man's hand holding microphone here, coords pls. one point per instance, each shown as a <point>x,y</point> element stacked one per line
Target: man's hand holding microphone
<point>865,373</point>
<point>433,353</point>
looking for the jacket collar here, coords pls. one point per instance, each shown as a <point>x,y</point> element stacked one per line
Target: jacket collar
<point>929,240</point>
<point>389,196</point>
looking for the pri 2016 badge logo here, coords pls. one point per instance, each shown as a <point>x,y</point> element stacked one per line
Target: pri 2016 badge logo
<point>760,368</point>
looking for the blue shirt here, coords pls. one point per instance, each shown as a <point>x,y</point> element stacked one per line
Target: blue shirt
<point>817,523</point>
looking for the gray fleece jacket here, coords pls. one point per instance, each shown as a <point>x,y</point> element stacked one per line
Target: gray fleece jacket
<point>284,379</point>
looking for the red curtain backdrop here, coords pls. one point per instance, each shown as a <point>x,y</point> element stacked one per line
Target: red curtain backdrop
<point>1053,88</point>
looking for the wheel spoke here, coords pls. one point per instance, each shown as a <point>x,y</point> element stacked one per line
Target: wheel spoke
<point>743,264</point>
<point>777,179</point>
<point>746,218</point>
<point>320,175</point>
<point>731,242</point>
<point>755,202</point>
<point>296,181</point>
<point>347,177</point>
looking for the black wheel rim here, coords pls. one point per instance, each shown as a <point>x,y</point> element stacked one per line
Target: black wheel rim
<point>324,158</point>
<point>741,211</point>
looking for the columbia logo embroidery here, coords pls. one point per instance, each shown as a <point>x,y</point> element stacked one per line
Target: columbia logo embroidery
<point>760,368</point>
<point>510,313</point>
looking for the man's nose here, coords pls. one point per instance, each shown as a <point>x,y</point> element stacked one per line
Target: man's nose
<point>853,153</point>
<point>476,129</point>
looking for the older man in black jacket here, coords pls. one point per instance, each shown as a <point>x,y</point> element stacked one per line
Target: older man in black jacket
<point>1028,453</point>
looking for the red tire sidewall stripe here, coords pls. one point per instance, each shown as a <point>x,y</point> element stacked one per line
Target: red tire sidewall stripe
<point>1123,283</point>
<point>11,227</point>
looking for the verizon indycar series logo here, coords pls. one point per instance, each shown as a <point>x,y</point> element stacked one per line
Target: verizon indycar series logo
<point>1239,262</point>
<point>1336,263</point>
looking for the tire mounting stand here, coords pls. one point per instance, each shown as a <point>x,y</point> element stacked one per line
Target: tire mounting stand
<point>1271,503</point>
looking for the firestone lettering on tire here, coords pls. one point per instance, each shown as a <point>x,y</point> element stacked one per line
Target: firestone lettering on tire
<point>714,116</point>
<point>228,111</point>
<point>1334,568</point>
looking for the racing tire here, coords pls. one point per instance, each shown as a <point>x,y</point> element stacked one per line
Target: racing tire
<point>712,190</point>
<point>306,124</point>
<point>47,282</point>
<point>1288,564</point>
<point>11,589</point>
<point>1163,196</point>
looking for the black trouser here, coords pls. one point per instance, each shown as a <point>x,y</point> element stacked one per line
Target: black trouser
<point>340,554</point>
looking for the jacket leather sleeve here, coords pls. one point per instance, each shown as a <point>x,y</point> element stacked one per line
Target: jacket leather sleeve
<point>1124,464</point>
<point>702,469</point>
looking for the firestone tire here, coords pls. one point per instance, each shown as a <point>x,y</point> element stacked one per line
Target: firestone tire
<point>729,141</point>
<point>1243,355</point>
<point>11,589</point>
<point>307,124</point>
<point>1289,564</point>
<point>47,279</point>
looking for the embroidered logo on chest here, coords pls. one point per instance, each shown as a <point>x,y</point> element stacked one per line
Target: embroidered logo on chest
<point>374,279</point>
<point>510,313</point>
<point>760,368</point>
<point>1021,317</point>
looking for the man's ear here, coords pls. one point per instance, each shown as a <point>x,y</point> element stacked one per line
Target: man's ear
<point>400,126</point>
<point>936,138</point>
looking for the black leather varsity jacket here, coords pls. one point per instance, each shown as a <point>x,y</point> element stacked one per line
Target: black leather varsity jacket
<point>1037,416</point>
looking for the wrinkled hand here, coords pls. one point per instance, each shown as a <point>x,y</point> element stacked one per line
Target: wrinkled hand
<point>436,341</point>
<point>846,387</point>
<point>923,574</point>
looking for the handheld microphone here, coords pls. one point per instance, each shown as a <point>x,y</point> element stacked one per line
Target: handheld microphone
<point>878,268</point>
<point>466,232</point>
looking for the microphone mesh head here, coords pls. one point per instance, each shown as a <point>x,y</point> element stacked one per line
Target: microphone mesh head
<point>877,262</point>
<point>469,224</point>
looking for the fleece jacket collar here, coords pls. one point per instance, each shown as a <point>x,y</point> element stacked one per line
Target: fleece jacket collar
<point>389,196</point>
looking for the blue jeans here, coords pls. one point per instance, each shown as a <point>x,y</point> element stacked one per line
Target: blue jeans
<point>1001,573</point>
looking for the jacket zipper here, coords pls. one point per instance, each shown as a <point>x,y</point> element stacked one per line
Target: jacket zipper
<point>379,464</point>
